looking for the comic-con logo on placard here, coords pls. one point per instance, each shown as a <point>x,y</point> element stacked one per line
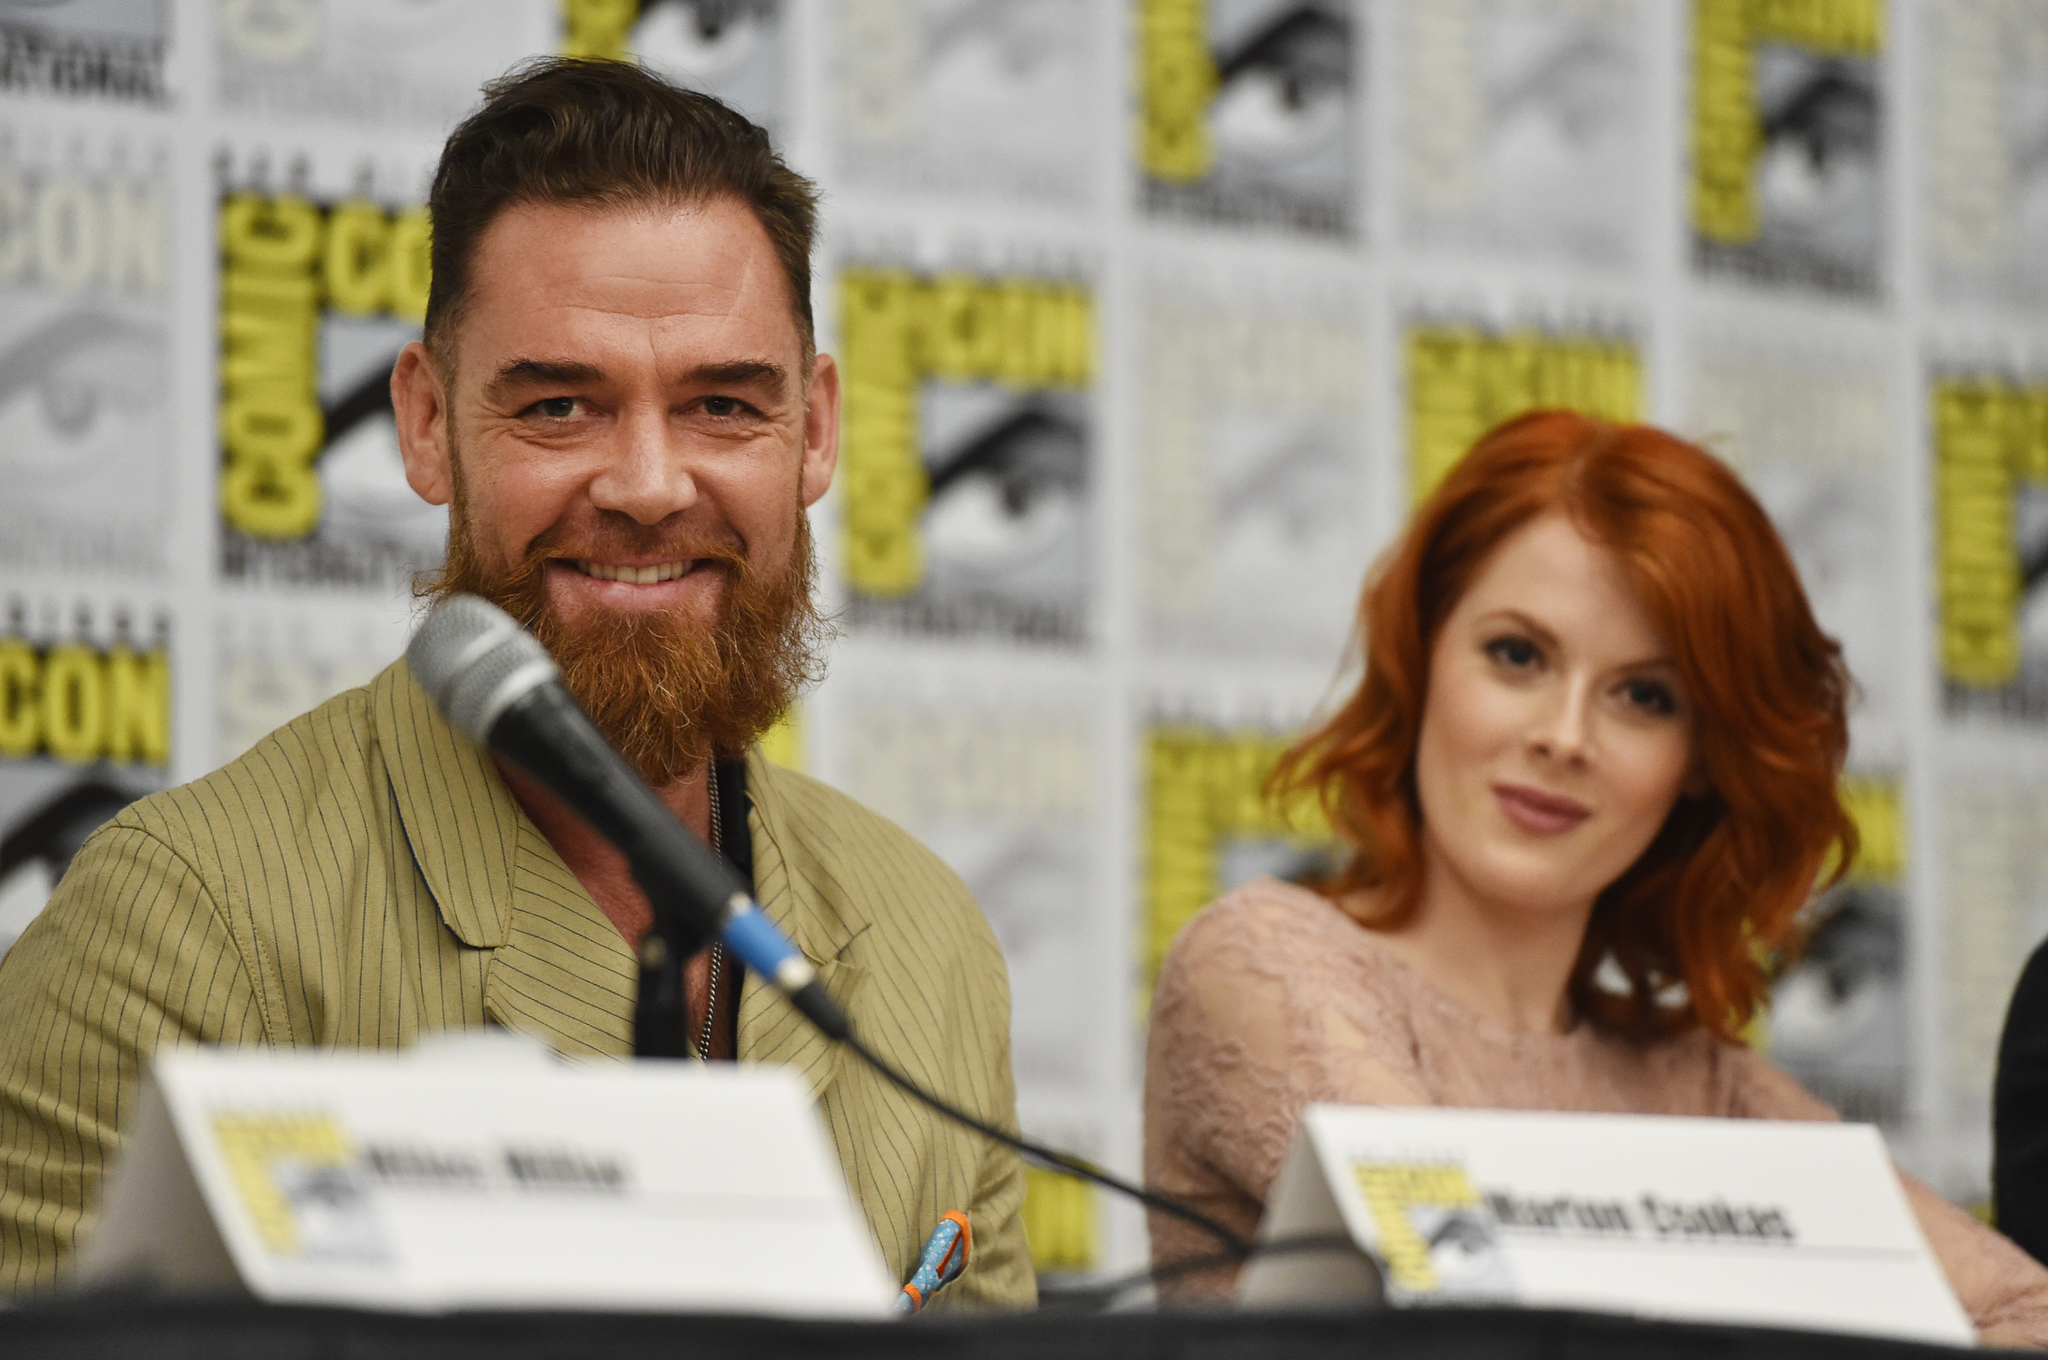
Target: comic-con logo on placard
<point>84,381</point>
<point>300,1180</point>
<point>1787,183</point>
<point>113,49</point>
<point>965,457</point>
<point>317,299</point>
<point>1247,113</point>
<point>1436,1239</point>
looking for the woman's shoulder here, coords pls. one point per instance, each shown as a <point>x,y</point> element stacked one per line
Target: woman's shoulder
<point>1279,924</point>
<point>1279,947</point>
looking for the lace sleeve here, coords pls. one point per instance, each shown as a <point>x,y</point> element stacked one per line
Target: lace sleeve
<point>1251,1022</point>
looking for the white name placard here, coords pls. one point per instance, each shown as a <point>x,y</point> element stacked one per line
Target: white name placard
<point>464,1179</point>
<point>1787,1224</point>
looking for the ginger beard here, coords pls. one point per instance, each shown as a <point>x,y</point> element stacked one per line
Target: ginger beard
<point>668,690</point>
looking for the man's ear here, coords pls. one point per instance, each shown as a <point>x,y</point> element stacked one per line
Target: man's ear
<point>419,403</point>
<point>821,429</point>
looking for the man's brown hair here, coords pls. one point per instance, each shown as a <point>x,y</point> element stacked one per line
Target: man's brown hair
<point>609,135</point>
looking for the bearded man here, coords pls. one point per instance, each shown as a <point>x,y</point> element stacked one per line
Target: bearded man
<point>619,399</point>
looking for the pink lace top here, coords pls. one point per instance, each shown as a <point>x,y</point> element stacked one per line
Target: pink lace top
<point>1273,998</point>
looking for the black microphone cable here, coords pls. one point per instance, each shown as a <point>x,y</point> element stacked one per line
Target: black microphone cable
<point>1105,1293</point>
<point>1236,1246</point>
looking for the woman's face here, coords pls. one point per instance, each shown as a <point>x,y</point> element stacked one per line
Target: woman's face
<point>1556,734</point>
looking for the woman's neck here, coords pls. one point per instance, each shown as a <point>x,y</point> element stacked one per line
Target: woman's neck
<point>1507,962</point>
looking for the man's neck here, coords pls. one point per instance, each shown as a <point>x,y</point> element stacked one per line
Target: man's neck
<point>597,864</point>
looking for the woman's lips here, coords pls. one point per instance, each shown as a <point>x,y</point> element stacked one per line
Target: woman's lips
<point>1537,812</point>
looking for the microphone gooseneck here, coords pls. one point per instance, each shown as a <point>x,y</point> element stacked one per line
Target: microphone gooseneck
<point>497,685</point>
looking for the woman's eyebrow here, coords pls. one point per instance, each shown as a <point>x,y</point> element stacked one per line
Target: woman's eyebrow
<point>1522,621</point>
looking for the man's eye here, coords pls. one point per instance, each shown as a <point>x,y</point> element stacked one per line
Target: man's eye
<point>1516,653</point>
<point>723,407</point>
<point>556,408</point>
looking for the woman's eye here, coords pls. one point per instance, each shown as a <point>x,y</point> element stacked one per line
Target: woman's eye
<point>1516,653</point>
<point>1650,696</point>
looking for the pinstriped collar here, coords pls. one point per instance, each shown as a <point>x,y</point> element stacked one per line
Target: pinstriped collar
<point>808,901</point>
<point>457,813</point>
<point>464,827</point>
<point>801,892</point>
<point>466,833</point>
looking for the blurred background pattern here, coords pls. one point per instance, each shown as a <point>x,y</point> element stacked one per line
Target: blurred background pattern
<point>1156,316</point>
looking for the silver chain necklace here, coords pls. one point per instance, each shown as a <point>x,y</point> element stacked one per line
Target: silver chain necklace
<point>717,949</point>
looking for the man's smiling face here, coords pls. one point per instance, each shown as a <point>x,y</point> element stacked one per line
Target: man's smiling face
<point>630,440</point>
<point>629,389</point>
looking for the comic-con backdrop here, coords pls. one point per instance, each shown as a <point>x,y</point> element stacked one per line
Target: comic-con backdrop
<point>1155,316</point>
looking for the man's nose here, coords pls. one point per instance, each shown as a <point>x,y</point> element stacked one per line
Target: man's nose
<point>646,474</point>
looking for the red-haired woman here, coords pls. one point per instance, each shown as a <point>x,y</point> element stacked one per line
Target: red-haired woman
<point>1588,779</point>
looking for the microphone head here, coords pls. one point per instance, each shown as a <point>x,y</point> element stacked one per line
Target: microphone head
<point>474,660</point>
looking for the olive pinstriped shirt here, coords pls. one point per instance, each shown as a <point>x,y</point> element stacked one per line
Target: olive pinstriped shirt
<point>362,876</point>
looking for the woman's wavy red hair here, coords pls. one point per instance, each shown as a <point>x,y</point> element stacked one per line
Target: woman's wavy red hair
<point>1717,892</point>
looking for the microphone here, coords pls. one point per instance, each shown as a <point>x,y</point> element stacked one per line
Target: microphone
<point>495,683</point>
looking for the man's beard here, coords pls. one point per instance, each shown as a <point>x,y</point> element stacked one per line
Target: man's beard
<point>668,690</point>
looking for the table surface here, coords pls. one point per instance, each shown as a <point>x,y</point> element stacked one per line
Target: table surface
<point>242,1330</point>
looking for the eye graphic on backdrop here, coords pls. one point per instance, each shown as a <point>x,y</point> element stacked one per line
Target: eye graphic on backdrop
<point>700,39</point>
<point>1032,881</point>
<point>2030,551</point>
<point>39,847</point>
<point>1240,859</point>
<point>1578,88</point>
<point>1008,497</point>
<point>1298,489</point>
<point>1817,182</point>
<point>1820,137</point>
<point>1285,89</point>
<point>81,399</point>
<point>1830,518</point>
<point>1007,40</point>
<point>89,379</point>
<point>1838,1019</point>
